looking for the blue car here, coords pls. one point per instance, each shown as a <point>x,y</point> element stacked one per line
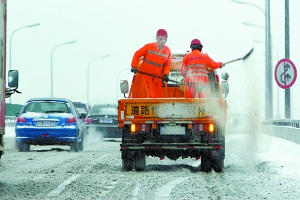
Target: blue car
<point>49,121</point>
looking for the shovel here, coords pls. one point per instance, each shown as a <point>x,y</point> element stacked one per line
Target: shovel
<point>157,76</point>
<point>242,58</point>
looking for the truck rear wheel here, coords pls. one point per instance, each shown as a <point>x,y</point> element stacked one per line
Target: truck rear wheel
<point>218,165</point>
<point>127,164</point>
<point>140,161</point>
<point>127,161</point>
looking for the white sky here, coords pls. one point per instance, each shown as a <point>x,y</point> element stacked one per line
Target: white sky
<point>119,28</point>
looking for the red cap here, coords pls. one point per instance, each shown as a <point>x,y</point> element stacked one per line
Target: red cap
<point>195,41</point>
<point>161,33</point>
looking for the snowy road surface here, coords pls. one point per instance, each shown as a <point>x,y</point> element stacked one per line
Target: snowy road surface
<point>256,167</point>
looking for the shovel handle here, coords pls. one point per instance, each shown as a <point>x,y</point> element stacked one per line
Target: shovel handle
<point>153,75</point>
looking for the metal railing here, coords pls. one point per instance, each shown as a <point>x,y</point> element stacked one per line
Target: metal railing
<point>284,122</point>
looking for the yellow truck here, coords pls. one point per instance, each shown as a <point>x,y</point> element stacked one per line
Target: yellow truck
<point>174,126</point>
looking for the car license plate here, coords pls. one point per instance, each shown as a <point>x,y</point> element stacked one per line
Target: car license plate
<point>105,120</point>
<point>45,123</point>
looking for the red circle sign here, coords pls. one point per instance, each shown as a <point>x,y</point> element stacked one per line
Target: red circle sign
<point>285,73</point>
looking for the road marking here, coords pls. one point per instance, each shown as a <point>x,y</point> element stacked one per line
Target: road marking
<point>63,185</point>
<point>69,180</point>
<point>135,192</point>
<point>165,191</point>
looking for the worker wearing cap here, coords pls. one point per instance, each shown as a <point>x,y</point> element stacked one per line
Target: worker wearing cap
<point>194,68</point>
<point>155,60</point>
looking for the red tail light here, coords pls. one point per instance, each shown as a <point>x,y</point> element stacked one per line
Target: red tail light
<point>71,120</point>
<point>21,120</point>
<point>88,120</point>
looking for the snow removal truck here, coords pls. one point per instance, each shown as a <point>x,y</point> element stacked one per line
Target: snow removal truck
<point>174,126</point>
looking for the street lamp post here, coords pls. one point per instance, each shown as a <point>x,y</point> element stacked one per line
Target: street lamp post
<point>52,62</point>
<point>10,44</point>
<point>278,116</point>
<point>11,36</point>
<point>88,75</point>
<point>268,60</point>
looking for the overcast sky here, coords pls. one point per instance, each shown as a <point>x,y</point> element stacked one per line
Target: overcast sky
<point>118,28</point>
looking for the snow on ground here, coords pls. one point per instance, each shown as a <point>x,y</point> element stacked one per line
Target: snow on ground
<point>257,166</point>
<point>260,146</point>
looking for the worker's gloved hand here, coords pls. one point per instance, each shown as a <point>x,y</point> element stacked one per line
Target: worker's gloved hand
<point>165,78</point>
<point>134,70</point>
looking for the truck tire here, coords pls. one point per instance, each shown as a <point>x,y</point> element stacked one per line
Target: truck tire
<point>218,165</point>
<point>127,164</point>
<point>206,164</point>
<point>140,161</point>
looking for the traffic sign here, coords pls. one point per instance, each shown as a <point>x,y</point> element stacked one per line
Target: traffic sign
<point>285,73</point>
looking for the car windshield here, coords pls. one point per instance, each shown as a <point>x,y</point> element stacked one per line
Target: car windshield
<point>104,110</point>
<point>81,107</point>
<point>46,107</point>
<point>81,110</point>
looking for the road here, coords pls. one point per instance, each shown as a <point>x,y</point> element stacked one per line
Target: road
<point>256,167</point>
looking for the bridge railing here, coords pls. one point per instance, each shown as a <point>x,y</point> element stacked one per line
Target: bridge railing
<point>284,122</point>
<point>287,129</point>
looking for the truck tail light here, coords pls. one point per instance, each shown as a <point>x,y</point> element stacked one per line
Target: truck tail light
<point>210,128</point>
<point>133,128</point>
<point>139,128</point>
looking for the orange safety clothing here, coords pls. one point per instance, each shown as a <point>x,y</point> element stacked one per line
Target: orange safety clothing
<point>154,61</point>
<point>194,68</point>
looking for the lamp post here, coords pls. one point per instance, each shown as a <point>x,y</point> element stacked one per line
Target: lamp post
<point>88,75</point>
<point>278,116</point>
<point>253,25</point>
<point>268,60</point>
<point>52,62</point>
<point>10,44</point>
<point>11,36</point>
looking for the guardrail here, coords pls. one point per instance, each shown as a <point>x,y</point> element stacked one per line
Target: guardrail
<point>10,118</point>
<point>287,129</point>
<point>284,122</point>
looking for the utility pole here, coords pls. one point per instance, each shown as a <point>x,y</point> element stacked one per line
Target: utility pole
<point>268,75</point>
<point>287,55</point>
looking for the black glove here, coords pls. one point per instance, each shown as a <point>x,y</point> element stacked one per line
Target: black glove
<point>134,70</point>
<point>165,78</point>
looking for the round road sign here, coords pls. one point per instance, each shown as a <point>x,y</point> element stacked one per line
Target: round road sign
<point>285,73</point>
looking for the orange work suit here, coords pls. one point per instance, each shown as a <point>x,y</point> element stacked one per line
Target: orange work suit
<point>154,61</point>
<point>194,68</point>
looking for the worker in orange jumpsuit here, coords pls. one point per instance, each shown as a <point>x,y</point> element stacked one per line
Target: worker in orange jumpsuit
<point>194,68</point>
<point>155,60</point>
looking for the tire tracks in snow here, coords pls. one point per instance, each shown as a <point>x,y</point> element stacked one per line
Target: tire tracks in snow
<point>165,191</point>
<point>56,192</point>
